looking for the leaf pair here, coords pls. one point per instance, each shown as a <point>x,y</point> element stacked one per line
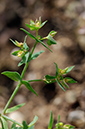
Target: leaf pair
<point>16,77</point>
<point>62,81</point>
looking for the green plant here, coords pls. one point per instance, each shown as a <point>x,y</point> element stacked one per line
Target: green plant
<point>27,56</point>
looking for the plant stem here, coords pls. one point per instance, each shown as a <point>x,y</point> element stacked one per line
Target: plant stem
<point>23,72</point>
<point>19,84</point>
<point>35,80</point>
<point>11,98</point>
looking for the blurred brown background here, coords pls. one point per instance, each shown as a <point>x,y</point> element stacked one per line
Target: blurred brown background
<point>67,17</point>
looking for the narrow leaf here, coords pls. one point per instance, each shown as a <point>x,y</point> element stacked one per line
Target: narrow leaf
<point>29,86</point>
<point>13,42</point>
<point>64,84</point>
<point>32,127</point>
<point>69,80</point>
<point>42,24</point>
<point>9,110</point>
<point>56,69</point>
<point>15,53</point>
<point>60,84</point>
<point>35,55</point>
<point>33,122</point>
<point>13,126</point>
<point>12,75</point>
<point>58,121</point>
<point>33,37</point>
<point>29,26</point>
<point>45,45</point>
<point>4,123</point>
<point>68,69</point>
<point>25,126</point>
<point>51,121</point>
<point>25,38</point>
<point>25,47</point>
<point>35,80</point>
<point>48,77</point>
<point>21,63</point>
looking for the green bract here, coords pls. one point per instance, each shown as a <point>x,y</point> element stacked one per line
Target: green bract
<point>35,25</point>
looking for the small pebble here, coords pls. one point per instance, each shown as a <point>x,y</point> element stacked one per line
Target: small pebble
<point>77,118</point>
<point>57,101</point>
<point>19,99</point>
<point>70,97</point>
<point>17,116</point>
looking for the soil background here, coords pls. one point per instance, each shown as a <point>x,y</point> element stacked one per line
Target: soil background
<point>67,17</point>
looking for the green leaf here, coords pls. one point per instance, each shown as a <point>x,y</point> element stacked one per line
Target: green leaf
<point>52,33</point>
<point>68,69</point>
<point>32,127</point>
<point>42,24</point>
<point>45,45</point>
<point>12,75</point>
<point>13,126</point>
<point>58,121</point>
<point>15,53</point>
<point>64,84</point>
<point>32,22</point>
<point>60,84</point>
<point>4,123</point>
<point>35,55</point>
<point>50,40</point>
<point>9,110</point>
<point>49,79</point>
<point>25,126</point>
<point>33,122</point>
<point>24,59</point>
<point>35,80</point>
<point>29,87</point>
<point>57,71</point>
<point>25,39</point>
<point>13,42</point>
<point>33,37</point>
<point>25,47</point>
<point>21,63</point>
<point>69,80</point>
<point>29,26</point>
<point>51,121</point>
